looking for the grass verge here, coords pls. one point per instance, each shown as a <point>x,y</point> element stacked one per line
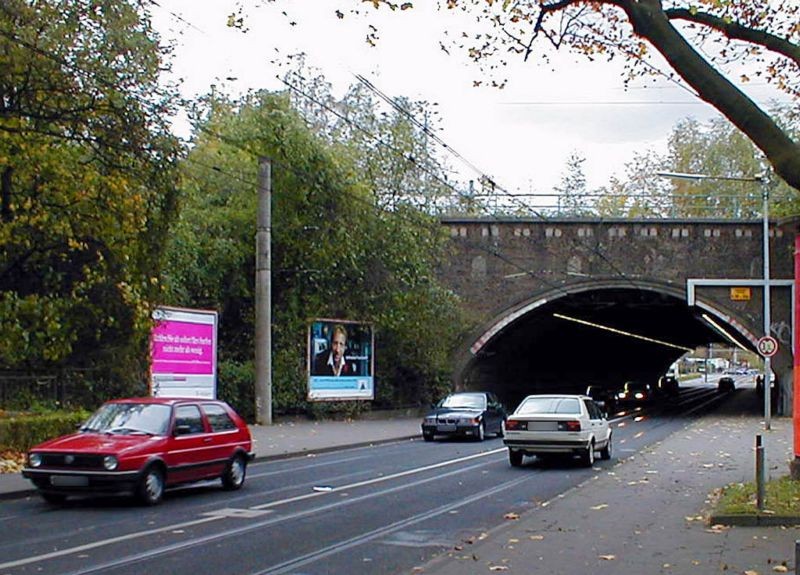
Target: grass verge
<point>782,498</point>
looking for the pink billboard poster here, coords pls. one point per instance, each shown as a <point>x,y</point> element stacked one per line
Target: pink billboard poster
<point>182,348</point>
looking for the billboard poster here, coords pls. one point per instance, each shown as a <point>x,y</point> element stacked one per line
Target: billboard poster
<point>183,353</point>
<point>340,360</point>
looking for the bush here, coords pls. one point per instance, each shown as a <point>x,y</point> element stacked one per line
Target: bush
<point>236,386</point>
<point>20,433</point>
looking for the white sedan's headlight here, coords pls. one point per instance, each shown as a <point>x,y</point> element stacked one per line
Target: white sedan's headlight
<point>34,460</point>
<point>110,462</point>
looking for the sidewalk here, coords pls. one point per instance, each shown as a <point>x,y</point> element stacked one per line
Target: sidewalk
<point>647,514</point>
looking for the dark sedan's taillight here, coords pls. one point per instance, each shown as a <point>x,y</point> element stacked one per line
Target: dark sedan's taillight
<point>514,425</point>
<point>569,425</point>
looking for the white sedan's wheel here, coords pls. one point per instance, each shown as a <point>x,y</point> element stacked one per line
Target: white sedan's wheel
<point>588,455</point>
<point>607,451</point>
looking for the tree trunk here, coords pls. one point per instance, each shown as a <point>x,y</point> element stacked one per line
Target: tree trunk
<point>650,22</point>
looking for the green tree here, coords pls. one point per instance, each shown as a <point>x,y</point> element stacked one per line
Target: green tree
<point>572,193</point>
<point>336,252</point>
<point>394,146</point>
<point>86,183</point>
<point>718,148</point>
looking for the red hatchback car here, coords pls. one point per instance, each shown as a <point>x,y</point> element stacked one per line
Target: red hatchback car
<point>141,446</point>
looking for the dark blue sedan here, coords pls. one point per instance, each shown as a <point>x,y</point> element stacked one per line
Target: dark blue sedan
<point>471,414</point>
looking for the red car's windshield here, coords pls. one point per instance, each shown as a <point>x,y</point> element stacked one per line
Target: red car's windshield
<point>125,418</point>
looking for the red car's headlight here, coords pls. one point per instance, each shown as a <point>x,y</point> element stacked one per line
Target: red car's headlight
<point>34,460</point>
<point>110,462</point>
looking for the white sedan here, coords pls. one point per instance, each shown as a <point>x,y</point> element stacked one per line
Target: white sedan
<point>557,424</point>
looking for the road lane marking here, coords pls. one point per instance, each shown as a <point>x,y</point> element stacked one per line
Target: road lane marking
<point>104,542</point>
<point>252,475</point>
<point>206,539</point>
<point>319,554</point>
<point>377,479</point>
<point>238,513</point>
<point>210,518</point>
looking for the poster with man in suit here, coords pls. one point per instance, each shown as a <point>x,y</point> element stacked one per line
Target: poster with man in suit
<point>340,361</point>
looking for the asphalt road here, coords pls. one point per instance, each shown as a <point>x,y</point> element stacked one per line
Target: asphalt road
<point>380,509</point>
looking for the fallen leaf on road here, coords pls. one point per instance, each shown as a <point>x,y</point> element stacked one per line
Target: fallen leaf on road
<point>607,557</point>
<point>498,568</point>
<point>599,507</point>
<point>513,540</point>
<point>536,537</point>
<point>511,516</point>
<point>751,572</point>
<point>780,569</point>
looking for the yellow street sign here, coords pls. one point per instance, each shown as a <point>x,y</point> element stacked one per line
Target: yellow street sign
<point>740,294</point>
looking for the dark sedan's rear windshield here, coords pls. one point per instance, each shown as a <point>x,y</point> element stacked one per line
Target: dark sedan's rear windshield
<point>557,405</point>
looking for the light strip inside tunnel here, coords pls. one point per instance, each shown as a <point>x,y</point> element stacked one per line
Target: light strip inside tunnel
<point>620,332</point>
<point>720,329</point>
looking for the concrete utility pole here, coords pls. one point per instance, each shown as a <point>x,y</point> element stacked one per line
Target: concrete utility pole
<point>767,320</point>
<point>263,296</point>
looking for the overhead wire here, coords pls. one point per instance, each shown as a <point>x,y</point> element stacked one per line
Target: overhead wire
<point>494,184</point>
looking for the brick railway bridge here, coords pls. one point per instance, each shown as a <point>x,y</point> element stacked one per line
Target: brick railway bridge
<point>550,298</point>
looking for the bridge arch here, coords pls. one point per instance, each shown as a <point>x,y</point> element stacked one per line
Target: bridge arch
<point>599,331</point>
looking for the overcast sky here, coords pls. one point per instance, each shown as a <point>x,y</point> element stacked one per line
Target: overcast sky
<point>521,136</point>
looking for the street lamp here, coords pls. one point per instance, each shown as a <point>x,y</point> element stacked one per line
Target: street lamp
<point>763,180</point>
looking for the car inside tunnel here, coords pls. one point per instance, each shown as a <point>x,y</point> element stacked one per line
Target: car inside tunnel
<point>598,337</point>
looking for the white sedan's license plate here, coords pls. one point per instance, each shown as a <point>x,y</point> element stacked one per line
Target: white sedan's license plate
<point>69,481</point>
<point>445,428</point>
<point>542,426</point>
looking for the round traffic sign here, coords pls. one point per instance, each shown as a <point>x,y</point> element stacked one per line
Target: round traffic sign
<point>767,346</point>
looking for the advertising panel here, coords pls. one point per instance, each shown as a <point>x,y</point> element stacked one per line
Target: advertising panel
<point>340,360</point>
<point>183,353</point>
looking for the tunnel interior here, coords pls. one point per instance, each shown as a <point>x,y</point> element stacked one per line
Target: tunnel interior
<point>599,337</point>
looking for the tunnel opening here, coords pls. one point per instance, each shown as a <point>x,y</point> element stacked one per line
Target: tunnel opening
<point>593,337</point>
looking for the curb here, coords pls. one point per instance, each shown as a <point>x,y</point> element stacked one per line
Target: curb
<point>757,520</point>
<point>318,450</point>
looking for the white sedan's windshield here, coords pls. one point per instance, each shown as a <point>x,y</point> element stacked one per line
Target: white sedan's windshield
<point>465,400</point>
<point>124,418</point>
<point>558,405</point>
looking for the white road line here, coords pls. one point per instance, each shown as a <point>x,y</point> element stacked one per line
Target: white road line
<point>314,556</point>
<point>207,519</point>
<point>377,479</point>
<point>104,542</point>
<point>251,475</point>
<point>207,539</point>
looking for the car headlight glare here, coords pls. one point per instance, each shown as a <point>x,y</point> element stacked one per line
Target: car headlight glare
<point>34,460</point>
<point>110,462</point>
